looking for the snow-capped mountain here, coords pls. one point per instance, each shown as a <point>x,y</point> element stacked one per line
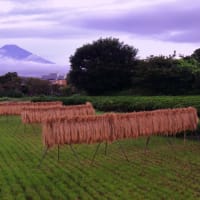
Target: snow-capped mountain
<point>16,59</point>
<point>15,52</point>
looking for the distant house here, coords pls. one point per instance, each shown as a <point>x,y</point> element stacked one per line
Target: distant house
<point>56,79</point>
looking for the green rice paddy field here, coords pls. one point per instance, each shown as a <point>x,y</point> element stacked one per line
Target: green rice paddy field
<point>163,172</point>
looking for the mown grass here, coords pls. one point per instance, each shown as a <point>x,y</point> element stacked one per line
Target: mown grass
<point>164,172</point>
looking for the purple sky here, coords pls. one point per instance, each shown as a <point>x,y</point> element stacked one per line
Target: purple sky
<point>53,29</point>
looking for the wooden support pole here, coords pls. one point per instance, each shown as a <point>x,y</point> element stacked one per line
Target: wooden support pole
<point>184,137</point>
<point>169,141</point>
<point>43,157</point>
<point>33,128</point>
<point>106,147</point>
<point>147,143</point>
<point>93,158</point>
<point>123,151</point>
<point>74,152</point>
<point>24,128</point>
<point>58,153</point>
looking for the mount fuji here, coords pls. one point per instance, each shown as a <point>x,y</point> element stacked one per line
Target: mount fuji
<point>15,52</point>
<point>16,59</point>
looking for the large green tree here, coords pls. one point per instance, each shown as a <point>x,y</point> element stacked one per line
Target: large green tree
<point>105,65</point>
<point>196,55</point>
<point>10,85</point>
<point>10,81</point>
<point>162,75</point>
<point>36,86</point>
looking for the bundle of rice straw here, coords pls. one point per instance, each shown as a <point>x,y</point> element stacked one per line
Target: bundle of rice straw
<point>12,108</point>
<point>15,108</point>
<point>37,115</point>
<point>112,126</point>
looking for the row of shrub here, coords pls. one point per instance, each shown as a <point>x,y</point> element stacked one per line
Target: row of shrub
<point>129,103</point>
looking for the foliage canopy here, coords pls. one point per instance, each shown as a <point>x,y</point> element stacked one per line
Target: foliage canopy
<point>105,65</point>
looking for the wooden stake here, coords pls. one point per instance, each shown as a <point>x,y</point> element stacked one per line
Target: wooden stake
<point>106,146</point>
<point>184,137</point>
<point>58,153</point>
<point>93,158</point>
<point>75,154</point>
<point>43,156</point>
<point>147,143</point>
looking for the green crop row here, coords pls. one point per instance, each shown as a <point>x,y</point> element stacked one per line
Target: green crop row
<point>162,172</point>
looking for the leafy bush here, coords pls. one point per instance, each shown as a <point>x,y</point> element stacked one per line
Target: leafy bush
<point>11,93</point>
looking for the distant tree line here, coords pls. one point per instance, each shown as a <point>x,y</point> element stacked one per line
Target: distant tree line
<point>11,85</point>
<point>107,66</point>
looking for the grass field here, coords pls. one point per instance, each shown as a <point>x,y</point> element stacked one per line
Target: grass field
<point>164,172</point>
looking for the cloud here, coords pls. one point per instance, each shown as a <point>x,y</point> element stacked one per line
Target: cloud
<point>32,11</point>
<point>55,32</point>
<point>30,68</point>
<point>55,29</point>
<point>77,18</point>
<point>166,20</point>
<point>170,21</point>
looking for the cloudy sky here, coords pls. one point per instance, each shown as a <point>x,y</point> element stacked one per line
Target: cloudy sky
<point>53,29</point>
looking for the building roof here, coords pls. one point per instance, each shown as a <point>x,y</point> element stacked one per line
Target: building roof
<point>53,76</point>
<point>61,77</point>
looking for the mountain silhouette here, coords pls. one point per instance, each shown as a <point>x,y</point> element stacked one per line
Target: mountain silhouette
<point>12,51</point>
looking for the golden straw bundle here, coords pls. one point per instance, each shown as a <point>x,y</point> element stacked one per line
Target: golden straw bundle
<point>112,126</point>
<point>37,115</point>
<point>15,108</point>
<point>12,108</point>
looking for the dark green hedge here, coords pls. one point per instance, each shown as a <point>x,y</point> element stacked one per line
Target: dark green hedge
<point>129,103</point>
